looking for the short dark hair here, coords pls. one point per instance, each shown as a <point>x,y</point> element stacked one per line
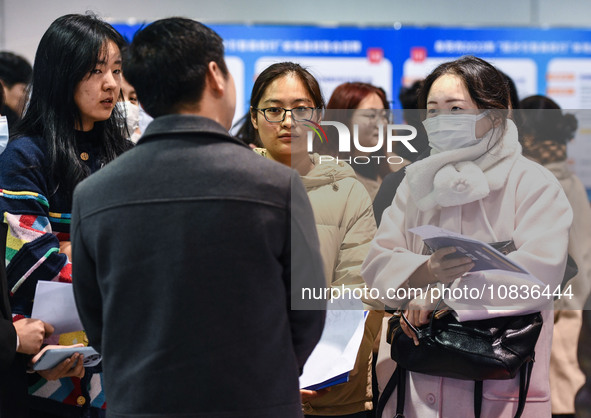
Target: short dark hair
<point>167,63</point>
<point>14,69</point>
<point>409,96</point>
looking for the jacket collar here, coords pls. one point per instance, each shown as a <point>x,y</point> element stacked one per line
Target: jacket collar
<point>184,124</point>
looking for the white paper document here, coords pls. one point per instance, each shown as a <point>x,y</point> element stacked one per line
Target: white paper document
<point>54,303</point>
<point>337,349</point>
<point>483,255</point>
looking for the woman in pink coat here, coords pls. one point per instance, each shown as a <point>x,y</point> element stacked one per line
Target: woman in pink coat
<point>477,183</point>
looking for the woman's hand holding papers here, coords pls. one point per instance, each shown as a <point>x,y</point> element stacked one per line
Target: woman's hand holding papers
<point>445,269</point>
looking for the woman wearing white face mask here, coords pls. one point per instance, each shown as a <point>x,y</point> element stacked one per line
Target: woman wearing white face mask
<point>129,107</point>
<point>3,133</point>
<point>477,183</point>
<point>3,126</point>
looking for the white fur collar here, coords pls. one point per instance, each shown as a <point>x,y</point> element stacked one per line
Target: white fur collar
<point>464,175</point>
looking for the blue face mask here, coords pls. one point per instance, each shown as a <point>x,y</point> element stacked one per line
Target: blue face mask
<point>3,133</point>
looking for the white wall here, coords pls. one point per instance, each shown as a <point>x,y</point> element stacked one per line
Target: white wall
<point>23,22</point>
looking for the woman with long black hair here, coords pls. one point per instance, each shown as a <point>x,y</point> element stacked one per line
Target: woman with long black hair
<point>69,130</point>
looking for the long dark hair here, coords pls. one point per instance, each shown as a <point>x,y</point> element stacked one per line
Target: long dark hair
<point>70,48</point>
<point>487,86</point>
<point>247,133</point>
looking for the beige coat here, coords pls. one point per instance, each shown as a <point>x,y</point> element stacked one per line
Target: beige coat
<point>529,208</point>
<point>345,222</point>
<point>565,375</point>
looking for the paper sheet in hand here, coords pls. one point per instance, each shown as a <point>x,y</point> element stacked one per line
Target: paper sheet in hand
<point>335,354</point>
<point>483,255</point>
<point>54,303</point>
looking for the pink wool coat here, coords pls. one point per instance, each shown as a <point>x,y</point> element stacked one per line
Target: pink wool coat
<point>533,211</point>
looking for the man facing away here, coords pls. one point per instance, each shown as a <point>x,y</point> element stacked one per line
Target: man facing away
<point>189,249</point>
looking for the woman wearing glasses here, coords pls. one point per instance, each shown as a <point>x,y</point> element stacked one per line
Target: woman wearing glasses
<point>284,99</point>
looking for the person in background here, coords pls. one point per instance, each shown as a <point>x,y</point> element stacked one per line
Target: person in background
<point>408,97</point>
<point>284,98</point>
<point>191,251</point>
<point>545,133</point>
<point>68,131</point>
<point>477,184</point>
<point>18,341</point>
<point>367,107</point>
<point>129,107</point>
<point>583,397</point>
<point>15,76</point>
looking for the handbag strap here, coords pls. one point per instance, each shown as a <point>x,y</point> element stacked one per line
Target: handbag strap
<point>401,393</point>
<point>477,398</point>
<point>387,392</point>
<point>524,379</point>
<point>398,379</point>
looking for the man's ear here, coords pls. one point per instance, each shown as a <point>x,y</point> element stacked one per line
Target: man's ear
<point>216,78</point>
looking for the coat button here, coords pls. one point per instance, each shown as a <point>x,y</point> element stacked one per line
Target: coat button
<point>431,398</point>
<point>81,400</point>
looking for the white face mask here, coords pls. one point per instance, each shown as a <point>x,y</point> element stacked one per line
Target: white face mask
<point>145,119</point>
<point>3,133</point>
<point>132,115</point>
<point>452,131</point>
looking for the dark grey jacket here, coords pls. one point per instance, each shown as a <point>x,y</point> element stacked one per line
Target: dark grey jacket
<point>187,251</point>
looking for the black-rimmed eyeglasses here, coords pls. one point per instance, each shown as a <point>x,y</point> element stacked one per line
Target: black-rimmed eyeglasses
<point>277,114</point>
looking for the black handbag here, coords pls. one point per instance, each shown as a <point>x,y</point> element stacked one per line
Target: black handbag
<point>489,349</point>
<point>494,348</point>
